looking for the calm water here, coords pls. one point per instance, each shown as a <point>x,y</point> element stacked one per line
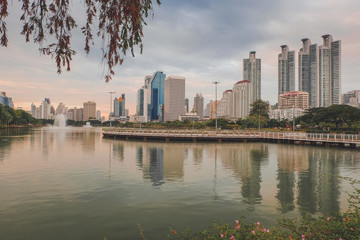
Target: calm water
<point>72,184</point>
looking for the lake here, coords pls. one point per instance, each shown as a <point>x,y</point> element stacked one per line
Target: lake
<point>70,183</point>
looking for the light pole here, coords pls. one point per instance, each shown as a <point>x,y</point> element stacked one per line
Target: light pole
<point>111,93</point>
<point>216,83</point>
<point>293,117</point>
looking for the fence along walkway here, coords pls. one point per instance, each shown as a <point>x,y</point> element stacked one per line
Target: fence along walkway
<point>352,140</point>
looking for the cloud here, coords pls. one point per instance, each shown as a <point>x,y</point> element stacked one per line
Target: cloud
<point>203,40</point>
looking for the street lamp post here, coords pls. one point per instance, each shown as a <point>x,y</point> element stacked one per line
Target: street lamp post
<point>111,93</point>
<point>293,117</point>
<point>216,83</point>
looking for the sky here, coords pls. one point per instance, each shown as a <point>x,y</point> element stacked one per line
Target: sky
<point>203,41</point>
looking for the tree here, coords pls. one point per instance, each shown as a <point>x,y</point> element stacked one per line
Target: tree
<point>260,107</point>
<point>119,25</point>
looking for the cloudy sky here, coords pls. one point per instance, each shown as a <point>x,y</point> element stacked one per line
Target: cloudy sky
<point>202,40</point>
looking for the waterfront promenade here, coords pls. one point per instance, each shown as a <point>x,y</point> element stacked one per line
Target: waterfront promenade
<point>340,140</point>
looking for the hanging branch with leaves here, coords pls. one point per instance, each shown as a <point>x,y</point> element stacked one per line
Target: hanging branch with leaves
<point>120,27</point>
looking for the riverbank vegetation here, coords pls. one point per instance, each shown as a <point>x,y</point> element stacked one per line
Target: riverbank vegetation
<point>339,226</point>
<point>16,118</point>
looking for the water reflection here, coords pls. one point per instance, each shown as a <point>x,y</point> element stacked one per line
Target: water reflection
<point>246,161</point>
<point>161,162</point>
<point>197,182</point>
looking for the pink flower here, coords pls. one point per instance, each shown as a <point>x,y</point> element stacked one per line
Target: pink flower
<point>253,232</point>
<point>232,238</point>
<point>221,235</point>
<point>328,218</point>
<point>237,226</point>
<point>340,239</point>
<point>264,230</point>
<point>258,223</point>
<point>237,221</point>
<point>268,230</point>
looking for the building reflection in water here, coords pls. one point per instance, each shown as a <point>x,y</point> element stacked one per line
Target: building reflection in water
<point>246,160</point>
<point>161,162</point>
<point>317,182</point>
<point>118,150</point>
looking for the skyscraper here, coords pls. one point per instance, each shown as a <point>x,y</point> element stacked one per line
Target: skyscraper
<point>308,71</point>
<point>199,105</point>
<point>242,99</point>
<point>122,109</point>
<point>174,98</point>
<point>252,73</point>
<point>186,105</point>
<point>144,99</point>
<point>286,70</point>
<point>89,111</point>
<point>157,88</point>
<point>140,102</point>
<point>5,100</point>
<point>119,106</point>
<point>329,72</point>
<point>45,109</point>
<point>224,108</point>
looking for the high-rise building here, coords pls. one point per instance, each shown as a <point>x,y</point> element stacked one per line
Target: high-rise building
<point>143,100</point>
<point>33,110</point>
<point>122,106</point>
<point>199,105</point>
<point>207,109</point>
<point>308,71</point>
<point>174,98</point>
<point>351,98</point>
<point>224,109</point>
<point>286,70</point>
<point>5,100</point>
<point>45,109</point>
<point>186,105</point>
<point>140,102</point>
<point>242,99</point>
<point>119,106</point>
<point>252,73</point>
<point>89,110</point>
<point>157,91</point>
<point>61,109</point>
<point>295,99</point>
<point>329,72</point>
<point>213,109</point>
<point>98,115</point>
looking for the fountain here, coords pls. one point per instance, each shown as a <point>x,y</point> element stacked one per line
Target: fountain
<point>60,121</point>
<point>88,125</point>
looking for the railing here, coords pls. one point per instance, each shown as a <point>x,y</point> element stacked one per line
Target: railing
<point>236,134</point>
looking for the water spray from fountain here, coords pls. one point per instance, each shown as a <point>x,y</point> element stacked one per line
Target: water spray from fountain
<point>60,121</point>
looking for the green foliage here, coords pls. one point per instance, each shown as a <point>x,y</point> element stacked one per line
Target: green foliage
<point>335,117</point>
<point>260,107</point>
<point>9,116</point>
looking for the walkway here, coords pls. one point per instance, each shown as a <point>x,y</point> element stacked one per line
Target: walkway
<point>350,140</point>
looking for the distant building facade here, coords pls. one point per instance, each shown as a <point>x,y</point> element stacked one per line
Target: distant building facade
<point>320,71</point>
<point>329,72</point>
<point>252,73</point>
<point>157,91</point>
<point>308,71</point>
<point>199,105</point>
<point>5,100</point>
<point>89,110</point>
<point>174,98</point>
<point>295,99</point>
<point>351,98</point>
<point>242,99</point>
<point>286,70</point>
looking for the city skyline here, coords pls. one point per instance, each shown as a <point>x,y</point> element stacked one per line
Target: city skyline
<point>216,54</point>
